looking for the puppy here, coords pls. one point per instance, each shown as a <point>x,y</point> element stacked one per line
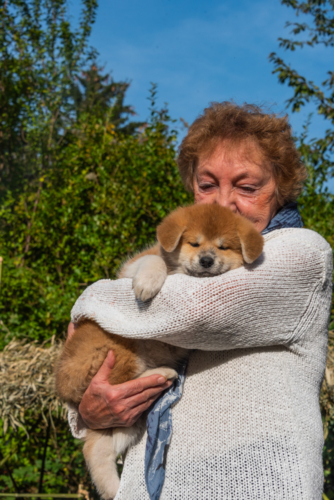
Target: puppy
<point>201,241</point>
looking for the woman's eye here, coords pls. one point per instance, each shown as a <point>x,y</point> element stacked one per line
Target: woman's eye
<point>194,244</point>
<point>248,189</point>
<point>205,187</point>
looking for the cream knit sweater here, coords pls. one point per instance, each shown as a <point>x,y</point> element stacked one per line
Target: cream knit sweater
<point>248,425</point>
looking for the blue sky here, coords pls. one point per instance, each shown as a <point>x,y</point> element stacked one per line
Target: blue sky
<point>198,52</point>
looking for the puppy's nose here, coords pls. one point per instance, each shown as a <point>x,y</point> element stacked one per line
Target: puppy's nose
<point>206,262</point>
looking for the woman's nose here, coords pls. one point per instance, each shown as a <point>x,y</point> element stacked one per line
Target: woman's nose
<point>226,199</point>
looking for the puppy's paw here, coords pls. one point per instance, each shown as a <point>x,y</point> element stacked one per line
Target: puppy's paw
<point>165,371</point>
<point>147,283</point>
<point>169,373</point>
<point>110,489</point>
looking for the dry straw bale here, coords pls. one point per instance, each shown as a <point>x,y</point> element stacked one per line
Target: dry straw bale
<point>327,390</point>
<point>27,382</point>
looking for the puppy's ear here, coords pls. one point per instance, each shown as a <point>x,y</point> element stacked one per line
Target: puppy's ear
<point>251,241</point>
<point>170,231</point>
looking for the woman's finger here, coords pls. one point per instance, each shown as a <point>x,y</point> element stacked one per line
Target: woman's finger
<point>137,386</point>
<point>148,394</point>
<point>102,375</point>
<point>133,415</point>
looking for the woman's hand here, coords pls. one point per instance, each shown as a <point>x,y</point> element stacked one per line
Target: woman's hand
<point>104,405</point>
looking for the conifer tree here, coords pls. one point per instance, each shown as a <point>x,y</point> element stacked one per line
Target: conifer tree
<point>96,92</point>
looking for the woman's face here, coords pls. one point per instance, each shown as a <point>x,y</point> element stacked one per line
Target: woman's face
<point>236,177</point>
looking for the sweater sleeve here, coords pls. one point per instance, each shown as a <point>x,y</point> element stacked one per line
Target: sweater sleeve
<point>263,304</point>
<point>77,425</point>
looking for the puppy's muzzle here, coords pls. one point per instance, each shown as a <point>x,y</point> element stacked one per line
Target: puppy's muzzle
<point>206,262</point>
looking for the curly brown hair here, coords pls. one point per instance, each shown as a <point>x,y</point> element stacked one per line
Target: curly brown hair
<point>229,121</point>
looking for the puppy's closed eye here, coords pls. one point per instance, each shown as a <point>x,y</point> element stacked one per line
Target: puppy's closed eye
<point>195,245</point>
<point>223,247</point>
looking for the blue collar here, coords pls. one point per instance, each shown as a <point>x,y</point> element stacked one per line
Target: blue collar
<point>287,216</point>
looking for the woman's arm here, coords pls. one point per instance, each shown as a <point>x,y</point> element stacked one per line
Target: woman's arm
<point>260,305</point>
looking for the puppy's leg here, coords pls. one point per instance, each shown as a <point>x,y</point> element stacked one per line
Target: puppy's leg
<point>124,437</point>
<point>148,274</point>
<point>100,456</point>
<point>101,450</point>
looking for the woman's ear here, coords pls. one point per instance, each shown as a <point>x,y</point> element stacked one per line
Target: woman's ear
<point>170,231</point>
<point>251,240</point>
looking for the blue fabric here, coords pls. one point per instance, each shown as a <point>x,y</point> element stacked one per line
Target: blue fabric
<point>159,420</point>
<point>159,433</point>
<point>288,216</point>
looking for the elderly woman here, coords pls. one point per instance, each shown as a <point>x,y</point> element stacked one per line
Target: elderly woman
<point>248,425</point>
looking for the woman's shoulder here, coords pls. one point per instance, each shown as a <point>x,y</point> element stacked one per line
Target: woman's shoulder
<point>298,238</point>
<point>301,250</point>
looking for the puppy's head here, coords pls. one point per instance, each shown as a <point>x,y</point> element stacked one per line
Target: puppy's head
<point>207,240</point>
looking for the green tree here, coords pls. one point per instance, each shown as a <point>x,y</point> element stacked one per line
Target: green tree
<point>101,202</point>
<point>40,56</point>
<point>100,94</point>
<point>318,31</point>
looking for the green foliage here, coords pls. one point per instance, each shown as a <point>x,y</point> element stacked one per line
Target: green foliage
<point>316,203</point>
<point>40,56</point>
<point>319,31</point>
<point>93,90</point>
<point>328,459</point>
<point>100,202</point>
<point>78,192</point>
<point>22,459</point>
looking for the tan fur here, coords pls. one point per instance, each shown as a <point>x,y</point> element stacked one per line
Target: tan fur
<point>84,353</point>
<point>223,240</point>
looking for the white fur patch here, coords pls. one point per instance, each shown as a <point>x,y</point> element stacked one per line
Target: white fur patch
<point>148,276</point>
